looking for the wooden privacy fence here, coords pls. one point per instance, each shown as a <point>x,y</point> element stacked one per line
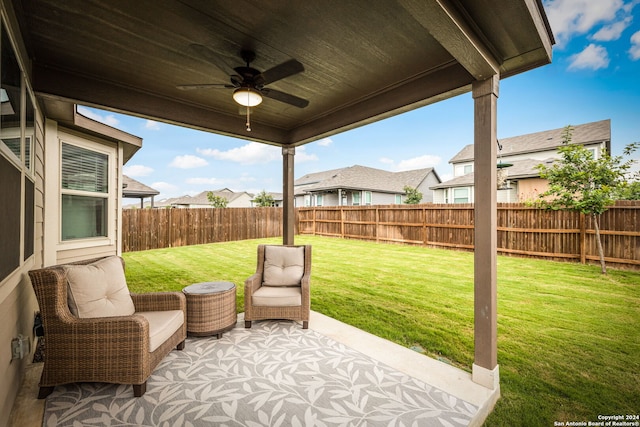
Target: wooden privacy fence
<point>144,229</point>
<point>522,230</point>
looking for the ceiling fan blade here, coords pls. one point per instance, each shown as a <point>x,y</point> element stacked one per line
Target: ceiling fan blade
<point>205,86</point>
<point>285,97</point>
<point>212,57</point>
<point>279,72</point>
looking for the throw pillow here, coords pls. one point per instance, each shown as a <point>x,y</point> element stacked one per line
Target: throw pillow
<point>99,289</point>
<point>283,266</point>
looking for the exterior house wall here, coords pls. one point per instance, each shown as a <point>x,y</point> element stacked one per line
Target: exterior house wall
<point>427,193</point>
<point>17,298</point>
<point>529,189</point>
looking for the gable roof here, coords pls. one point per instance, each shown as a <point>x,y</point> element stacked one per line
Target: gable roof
<point>588,133</point>
<point>361,178</point>
<point>521,169</point>
<point>202,199</point>
<point>136,189</point>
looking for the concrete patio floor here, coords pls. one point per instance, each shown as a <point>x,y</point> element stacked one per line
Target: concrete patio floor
<point>28,411</point>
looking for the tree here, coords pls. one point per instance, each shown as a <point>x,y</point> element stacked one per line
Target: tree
<point>264,200</point>
<point>217,201</point>
<point>413,195</point>
<point>631,191</point>
<point>583,183</point>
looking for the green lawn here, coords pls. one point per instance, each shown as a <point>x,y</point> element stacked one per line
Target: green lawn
<point>568,337</point>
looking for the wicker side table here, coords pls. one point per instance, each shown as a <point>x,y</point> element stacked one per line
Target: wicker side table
<point>211,308</point>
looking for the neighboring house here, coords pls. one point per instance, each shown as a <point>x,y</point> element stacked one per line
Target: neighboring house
<point>524,153</point>
<point>277,199</point>
<point>200,200</point>
<point>361,185</point>
<point>133,189</point>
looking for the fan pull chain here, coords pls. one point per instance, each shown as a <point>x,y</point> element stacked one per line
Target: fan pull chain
<point>248,112</point>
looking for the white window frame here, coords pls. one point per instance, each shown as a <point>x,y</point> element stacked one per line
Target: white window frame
<point>356,195</point>
<point>398,199</point>
<point>110,195</point>
<point>319,200</point>
<point>368,198</point>
<point>455,198</point>
<point>307,200</point>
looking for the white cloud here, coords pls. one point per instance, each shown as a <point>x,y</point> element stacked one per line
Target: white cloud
<point>137,170</point>
<point>303,156</point>
<point>613,31</point>
<point>325,142</point>
<point>188,161</point>
<point>592,57</point>
<point>634,51</point>
<point>255,153</point>
<point>249,154</point>
<point>569,17</point>
<point>421,162</point>
<point>386,160</point>
<point>151,125</point>
<point>207,181</point>
<point>109,119</point>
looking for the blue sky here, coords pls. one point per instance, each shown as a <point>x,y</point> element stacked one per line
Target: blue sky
<point>595,75</point>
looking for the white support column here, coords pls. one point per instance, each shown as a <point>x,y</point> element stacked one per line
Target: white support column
<point>288,211</point>
<point>485,367</point>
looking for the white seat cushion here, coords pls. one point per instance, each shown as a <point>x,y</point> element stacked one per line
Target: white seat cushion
<point>99,289</point>
<point>277,296</point>
<point>283,266</point>
<point>162,324</point>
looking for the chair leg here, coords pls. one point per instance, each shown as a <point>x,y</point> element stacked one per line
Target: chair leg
<point>139,389</point>
<point>180,346</point>
<point>305,324</point>
<point>44,392</point>
<point>247,324</point>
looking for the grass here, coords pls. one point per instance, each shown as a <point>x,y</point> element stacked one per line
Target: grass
<point>568,336</point>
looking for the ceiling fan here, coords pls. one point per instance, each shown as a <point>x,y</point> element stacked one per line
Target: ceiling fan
<point>249,84</point>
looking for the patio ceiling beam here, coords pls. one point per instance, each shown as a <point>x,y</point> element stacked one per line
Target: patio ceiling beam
<point>55,84</point>
<point>449,26</point>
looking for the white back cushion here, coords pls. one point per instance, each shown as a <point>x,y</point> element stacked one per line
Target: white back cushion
<point>99,289</point>
<point>283,266</point>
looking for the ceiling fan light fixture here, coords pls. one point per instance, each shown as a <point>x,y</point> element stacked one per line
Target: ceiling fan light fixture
<point>247,97</point>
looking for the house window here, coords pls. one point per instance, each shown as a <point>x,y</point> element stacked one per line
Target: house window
<point>355,199</point>
<point>307,200</point>
<point>318,199</point>
<point>463,169</point>
<point>461,195</point>
<point>398,199</point>
<point>85,192</point>
<point>367,197</point>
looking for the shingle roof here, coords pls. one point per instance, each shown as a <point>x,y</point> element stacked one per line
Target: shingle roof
<point>521,169</point>
<point>361,178</point>
<point>133,188</point>
<point>202,199</point>
<point>545,140</point>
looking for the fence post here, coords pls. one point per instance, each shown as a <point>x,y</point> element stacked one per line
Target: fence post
<point>342,223</point>
<point>424,226</point>
<point>377,224</point>
<point>583,239</point>
<point>314,221</point>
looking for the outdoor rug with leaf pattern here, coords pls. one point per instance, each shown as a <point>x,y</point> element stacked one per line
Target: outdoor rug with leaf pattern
<point>274,374</point>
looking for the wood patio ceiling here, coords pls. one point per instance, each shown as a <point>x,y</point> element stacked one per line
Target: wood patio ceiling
<point>363,60</point>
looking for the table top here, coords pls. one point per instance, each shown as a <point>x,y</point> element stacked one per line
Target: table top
<point>208,288</point>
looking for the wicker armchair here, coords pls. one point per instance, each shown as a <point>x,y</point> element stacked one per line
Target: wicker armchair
<point>102,349</point>
<point>280,287</point>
